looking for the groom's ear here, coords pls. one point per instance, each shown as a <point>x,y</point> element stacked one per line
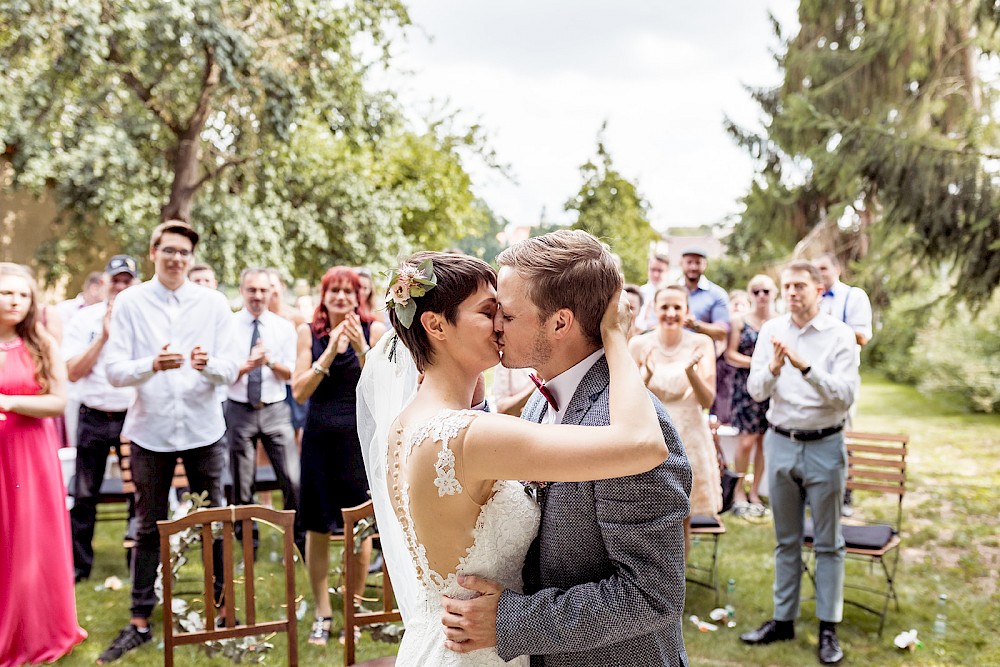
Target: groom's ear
<point>433,324</point>
<point>562,322</point>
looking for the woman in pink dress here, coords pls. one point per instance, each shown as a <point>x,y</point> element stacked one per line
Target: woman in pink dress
<point>37,605</point>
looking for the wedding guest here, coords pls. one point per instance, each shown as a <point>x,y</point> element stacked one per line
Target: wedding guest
<point>204,275</point>
<point>807,365</point>
<point>37,606</point>
<point>851,306</point>
<point>749,416</point>
<point>173,341</point>
<point>94,287</point>
<point>366,295</point>
<point>678,366</point>
<point>256,407</point>
<point>276,301</point>
<point>101,409</point>
<point>635,303</point>
<point>331,353</point>
<point>739,303</point>
<point>657,271</point>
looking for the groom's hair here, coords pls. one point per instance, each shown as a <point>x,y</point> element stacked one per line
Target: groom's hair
<point>458,277</point>
<point>567,268</point>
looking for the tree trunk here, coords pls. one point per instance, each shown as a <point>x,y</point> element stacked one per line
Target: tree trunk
<point>185,163</point>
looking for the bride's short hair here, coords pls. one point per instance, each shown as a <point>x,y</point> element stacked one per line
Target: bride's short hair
<point>458,277</point>
<point>567,268</point>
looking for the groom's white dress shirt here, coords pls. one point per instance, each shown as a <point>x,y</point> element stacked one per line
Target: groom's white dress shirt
<point>563,386</point>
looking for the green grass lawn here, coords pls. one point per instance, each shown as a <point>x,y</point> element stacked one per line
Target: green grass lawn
<point>951,545</point>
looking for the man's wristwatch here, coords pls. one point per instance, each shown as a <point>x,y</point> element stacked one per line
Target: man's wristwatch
<point>269,364</point>
<point>319,370</point>
<point>805,371</point>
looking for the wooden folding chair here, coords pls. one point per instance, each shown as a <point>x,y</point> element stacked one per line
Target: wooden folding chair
<point>353,516</point>
<point>710,529</point>
<point>876,463</point>
<point>229,517</point>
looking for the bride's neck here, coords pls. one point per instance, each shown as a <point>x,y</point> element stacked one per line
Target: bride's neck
<point>448,387</point>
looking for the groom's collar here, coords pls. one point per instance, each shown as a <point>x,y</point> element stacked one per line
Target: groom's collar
<point>563,386</point>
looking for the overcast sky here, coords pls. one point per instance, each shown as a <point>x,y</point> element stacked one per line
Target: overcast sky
<point>541,77</point>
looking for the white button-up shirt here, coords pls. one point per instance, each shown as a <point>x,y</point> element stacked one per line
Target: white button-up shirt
<point>94,390</point>
<point>279,339</point>
<point>822,398</point>
<point>176,409</point>
<point>563,386</point>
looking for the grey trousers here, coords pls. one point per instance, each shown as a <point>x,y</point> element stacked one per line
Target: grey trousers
<point>273,425</point>
<point>801,473</point>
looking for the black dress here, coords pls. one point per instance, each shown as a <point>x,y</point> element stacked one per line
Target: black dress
<point>749,416</point>
<point>333,471</point>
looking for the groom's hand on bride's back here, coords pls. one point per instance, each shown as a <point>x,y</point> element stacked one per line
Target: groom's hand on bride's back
<point>470,625</point>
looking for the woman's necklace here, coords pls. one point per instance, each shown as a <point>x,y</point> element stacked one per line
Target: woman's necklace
<point>671,349</point>
<point>7,345</point>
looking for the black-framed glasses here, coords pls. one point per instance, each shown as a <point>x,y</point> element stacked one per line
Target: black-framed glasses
<point>762,290</point>
<point>183,253</point>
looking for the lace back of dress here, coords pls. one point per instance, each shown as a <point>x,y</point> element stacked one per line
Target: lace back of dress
<point>435,483</point>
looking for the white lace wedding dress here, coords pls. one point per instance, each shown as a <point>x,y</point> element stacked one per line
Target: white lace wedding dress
<point>506,526</point>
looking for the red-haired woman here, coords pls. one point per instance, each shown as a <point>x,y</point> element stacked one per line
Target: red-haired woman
<point>331,353</point>
<point>37,605</point>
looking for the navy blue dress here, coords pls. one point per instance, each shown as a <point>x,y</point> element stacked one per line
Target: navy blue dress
<point>748,414</point>
<point>333,471</point>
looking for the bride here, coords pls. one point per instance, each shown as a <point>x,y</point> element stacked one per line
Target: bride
<point>437,469</point>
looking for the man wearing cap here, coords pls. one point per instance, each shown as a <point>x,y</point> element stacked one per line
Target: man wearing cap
<point>102,406</point>
<point>256,406</point>
<point>805,363</point>
<point>708,304</point>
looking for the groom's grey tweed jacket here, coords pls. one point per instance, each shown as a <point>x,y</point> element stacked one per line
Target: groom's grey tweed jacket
<point>604,580</point>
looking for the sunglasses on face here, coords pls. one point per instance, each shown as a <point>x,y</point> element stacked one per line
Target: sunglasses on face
<point>761,291</point>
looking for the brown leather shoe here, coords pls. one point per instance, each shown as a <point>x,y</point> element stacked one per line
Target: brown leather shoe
<point>772,631</point>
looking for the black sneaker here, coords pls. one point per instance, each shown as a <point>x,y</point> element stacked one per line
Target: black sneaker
<point>128,639</point>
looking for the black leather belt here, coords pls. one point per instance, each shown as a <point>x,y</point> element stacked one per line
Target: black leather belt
<point>251,406</point>
<point>807,436</point>
<point>110,416</point>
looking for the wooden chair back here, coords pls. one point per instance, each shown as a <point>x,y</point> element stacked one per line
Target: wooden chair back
<point>229,517</point>
<point>876,462</point>
<point>353,516</point>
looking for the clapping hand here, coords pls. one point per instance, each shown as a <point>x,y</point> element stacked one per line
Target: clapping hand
<point>648,364</point>
<point>166,360</point>
<point>338,340</point>
<point>780,355</point>
<point>258,355</point>
<point>692,364</point>
<point>354,333</point>
<point>199,358</point>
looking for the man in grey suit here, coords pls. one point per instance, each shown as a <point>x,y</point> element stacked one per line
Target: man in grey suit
<point>604,580</point>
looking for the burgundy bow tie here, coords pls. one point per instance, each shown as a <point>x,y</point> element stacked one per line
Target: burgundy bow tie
<point>545,391</point>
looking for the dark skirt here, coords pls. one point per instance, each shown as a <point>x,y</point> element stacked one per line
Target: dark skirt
<point>333,477</point>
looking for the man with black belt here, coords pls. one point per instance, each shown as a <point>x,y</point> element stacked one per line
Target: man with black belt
<point>256,407</point>
<point>805,362</point>
<point>102,407</point>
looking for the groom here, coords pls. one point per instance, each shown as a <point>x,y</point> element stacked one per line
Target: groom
<point>604,580</point>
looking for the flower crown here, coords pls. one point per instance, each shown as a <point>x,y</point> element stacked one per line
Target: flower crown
<point>405,285</point>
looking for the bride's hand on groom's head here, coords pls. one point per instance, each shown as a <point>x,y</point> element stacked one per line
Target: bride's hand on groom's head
<point>617,316</point>
<point>470,625</point>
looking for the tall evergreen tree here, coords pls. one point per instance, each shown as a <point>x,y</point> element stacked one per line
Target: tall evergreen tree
<point>881,133</point>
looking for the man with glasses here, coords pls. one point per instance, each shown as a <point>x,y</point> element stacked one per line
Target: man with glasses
<point>174,342</point>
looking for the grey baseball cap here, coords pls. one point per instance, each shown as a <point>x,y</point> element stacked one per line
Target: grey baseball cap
<point>122,264</point>
<point>695,250</point>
